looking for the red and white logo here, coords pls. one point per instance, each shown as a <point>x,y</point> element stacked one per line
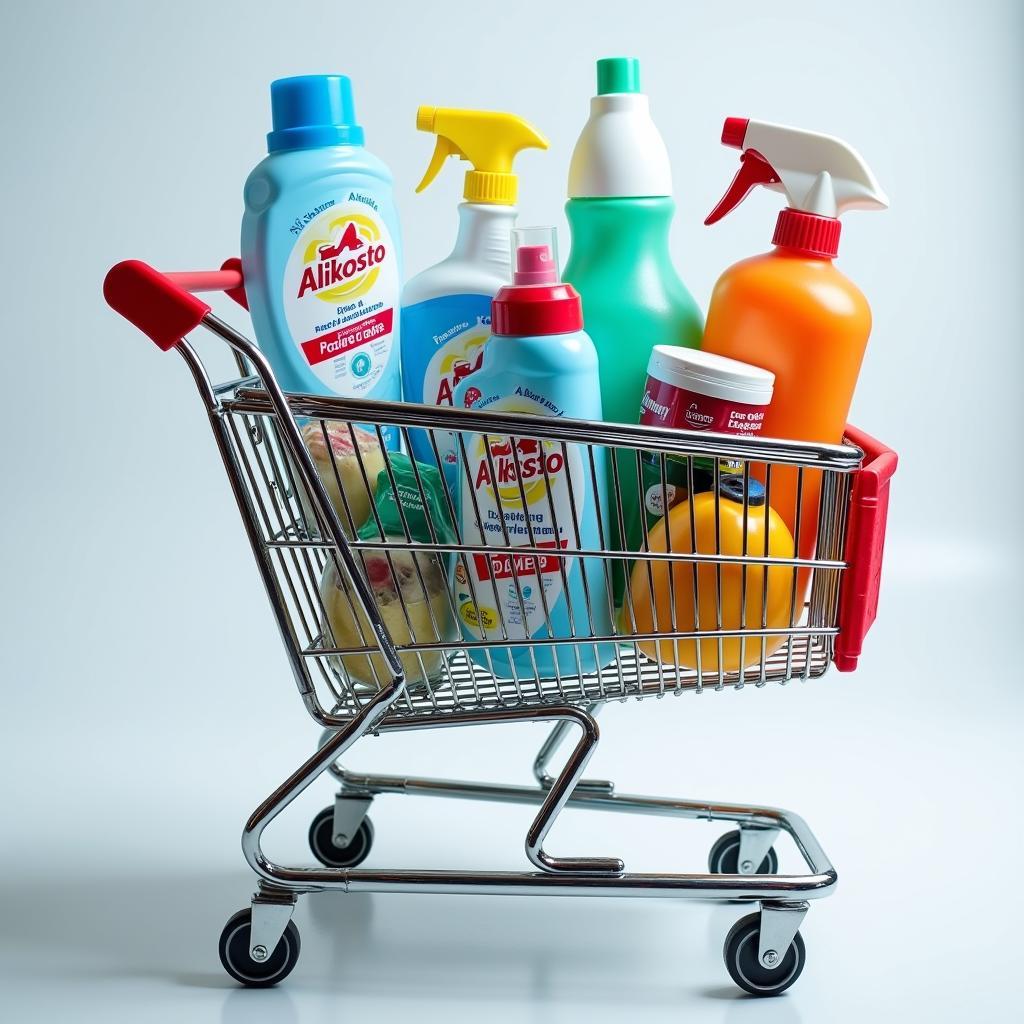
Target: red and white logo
<point>460,370</point>
<point>528,463</point>
<point>347,266</point>
<point>348,240</point>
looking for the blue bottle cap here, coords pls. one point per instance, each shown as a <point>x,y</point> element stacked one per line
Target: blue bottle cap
<point>730,486</point>
<point>313,110</point>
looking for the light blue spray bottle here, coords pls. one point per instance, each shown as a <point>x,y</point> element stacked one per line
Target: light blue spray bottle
<point>539,360</point>
<point>321,251</point>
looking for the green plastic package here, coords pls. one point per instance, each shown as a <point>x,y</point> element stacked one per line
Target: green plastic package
<point>421,494</point>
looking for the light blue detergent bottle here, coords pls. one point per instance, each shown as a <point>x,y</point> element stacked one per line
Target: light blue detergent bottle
<point>321,251</point>
<point>540,361</point>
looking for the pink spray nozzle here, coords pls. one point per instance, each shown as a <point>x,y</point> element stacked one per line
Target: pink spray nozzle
<point>535,265</point>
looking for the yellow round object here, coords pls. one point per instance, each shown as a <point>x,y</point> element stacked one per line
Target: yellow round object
<point>652,593</point>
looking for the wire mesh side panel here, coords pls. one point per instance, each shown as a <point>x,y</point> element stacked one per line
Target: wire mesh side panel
<point>528,568</point>
<point>296,566</point>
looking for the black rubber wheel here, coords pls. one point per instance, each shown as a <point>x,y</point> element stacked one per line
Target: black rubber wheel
<point>234,953</point>
<point>724,858</point>
<point>745,968</point>
<point>321,842</point>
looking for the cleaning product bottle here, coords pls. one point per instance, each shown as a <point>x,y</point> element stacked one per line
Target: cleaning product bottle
<point>321,252</point>
<point>789,310</point>
<point>446,309</point>
<point>620,209</point>
<point>524,492</point>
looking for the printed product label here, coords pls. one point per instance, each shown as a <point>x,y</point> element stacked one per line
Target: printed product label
<point>340,291</point>
<point>665,405</point>
<point>519,489</point>
<point>444,339</point>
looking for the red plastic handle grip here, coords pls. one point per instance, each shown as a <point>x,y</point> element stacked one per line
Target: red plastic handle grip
<point>162,306</point>
<point>865,545</point>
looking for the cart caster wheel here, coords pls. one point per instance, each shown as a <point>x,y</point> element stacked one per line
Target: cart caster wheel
<point>234,953</point>
<point>321,842</point>
<point>745,968</point>
<point>724,858</point>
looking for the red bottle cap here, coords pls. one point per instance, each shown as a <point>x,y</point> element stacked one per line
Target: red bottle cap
<point>522,310</point>
<point>808,233</point>
<point>536,302</point>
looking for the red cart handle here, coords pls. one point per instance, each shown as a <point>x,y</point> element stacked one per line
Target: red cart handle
<point>163,306</point>
<point>865,543</point>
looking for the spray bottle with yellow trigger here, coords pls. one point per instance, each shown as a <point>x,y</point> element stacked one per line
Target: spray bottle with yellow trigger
<point>446,309</point>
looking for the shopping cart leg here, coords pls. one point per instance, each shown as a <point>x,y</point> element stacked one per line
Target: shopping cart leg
<point>329,752</point>
<point>561,790</point>
<point>547,751</point>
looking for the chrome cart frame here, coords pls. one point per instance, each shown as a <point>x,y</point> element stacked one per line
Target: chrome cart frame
<point>298,532</point>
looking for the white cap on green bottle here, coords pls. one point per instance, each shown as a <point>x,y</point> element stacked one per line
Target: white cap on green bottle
<point>620,152</point>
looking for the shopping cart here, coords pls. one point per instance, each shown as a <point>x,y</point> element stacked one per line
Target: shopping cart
<point>366,665</point>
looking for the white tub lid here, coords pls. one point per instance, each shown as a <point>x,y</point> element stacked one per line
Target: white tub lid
<point>706,372</point>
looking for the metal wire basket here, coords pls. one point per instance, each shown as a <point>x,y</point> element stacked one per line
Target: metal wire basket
<point>295,546</point>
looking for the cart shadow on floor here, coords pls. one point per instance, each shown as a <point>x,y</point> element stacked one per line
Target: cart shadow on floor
<point>543,950</point>
<point>605,953</point>
<point>164,927</point>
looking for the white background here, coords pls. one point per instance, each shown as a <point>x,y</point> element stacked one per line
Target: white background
<point>147,706</point>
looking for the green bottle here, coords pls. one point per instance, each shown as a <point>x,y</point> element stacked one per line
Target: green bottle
<point>620,209</point>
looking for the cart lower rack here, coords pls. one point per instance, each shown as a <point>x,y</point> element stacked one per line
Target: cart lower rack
<point>425,625</point>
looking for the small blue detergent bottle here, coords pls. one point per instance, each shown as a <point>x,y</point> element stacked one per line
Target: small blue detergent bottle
<point>517,492</point>
<point>321,251</point>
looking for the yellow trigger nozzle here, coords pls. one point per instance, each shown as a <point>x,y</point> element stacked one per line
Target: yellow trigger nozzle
<point>442,151</point>
<point>489,140</point>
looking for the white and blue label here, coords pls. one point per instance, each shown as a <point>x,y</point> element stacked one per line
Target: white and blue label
<point>516,493</point>
<point>443,343</point>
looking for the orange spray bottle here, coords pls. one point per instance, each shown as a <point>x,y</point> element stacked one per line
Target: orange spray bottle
<point>790,310</point>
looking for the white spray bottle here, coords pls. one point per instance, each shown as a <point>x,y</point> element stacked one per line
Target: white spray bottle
<point>446,309</point>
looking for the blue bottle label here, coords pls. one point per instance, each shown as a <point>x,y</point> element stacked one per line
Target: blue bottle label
<point>443,344</point>
<point>523,490</point>
<point>340,292</point>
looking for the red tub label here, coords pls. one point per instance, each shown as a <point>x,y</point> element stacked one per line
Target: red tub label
<point>665,405</point>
